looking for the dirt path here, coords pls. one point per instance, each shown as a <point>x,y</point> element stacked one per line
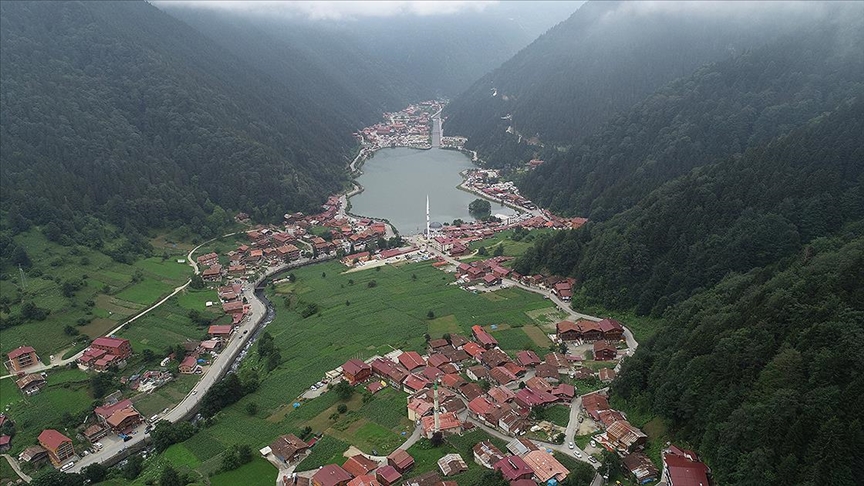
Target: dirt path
<point>14,464</point>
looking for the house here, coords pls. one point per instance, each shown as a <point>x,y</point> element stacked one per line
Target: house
<point>31,384</point>
<point>590,330</point>
<point>437,360</point>
<point>604,351</point>
<point>521,446</point>
<point>431,373</point>
<point>528,398</point>
<point>527,358</point>
<point>683,468</point>
<point>331,475</point>
<point>120,416</point>
<point>448,423</point>
<point>288,252</point>
<point>607,375</point>
<point>564,392</point>
<point>418,408</point>
<point>612,330</point>
<point>234,307</point>
<point>494,357</point>
<point>484,409</point>
<point>559,361</point>
<point>33,455</point>
<point>414,383</point>
<point>208,260</point>
<point>641,467</point>
<point>477,373</point>
<point>95,432</point>
<point>545,466</point>
<point>117,346</point>
<point>539,384</point>
<point>400,460</point>
<point>59,446</point>
<point>514,368</point>
<point>389,370</point>
<point>563,290</point>
<point>501,394</point>
<point>355,371</point>
<point>359,465</point>
<point>471,391</point>
<point>213,273</point>
<point>436,344</point>
<point>625,437</point>
<point>609,417</point>
<point>452,381</point>
<point>568,331</point>
<point>237,270</point>
<point>483,338</point>
<point>452,464</point>
<point>288,448</point>
<point>388,475</point>
<point>474,350</point>
<point>593,403</point>
<point>189,365</point>
<point>458,341</point>
<point>5,443</point>
<point>486,454</point>
<point>514,468</point>
<point>513,423</point>
<point>21,358</point>
<point>364,480</point>
<point>221,332</point>
<point>411,360</point>
<point>490,280</point>
<point>502,376</point>
<point>547,372</point>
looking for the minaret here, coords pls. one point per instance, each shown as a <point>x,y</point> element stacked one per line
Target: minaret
<point>428,234</point>
<point>435,408</point>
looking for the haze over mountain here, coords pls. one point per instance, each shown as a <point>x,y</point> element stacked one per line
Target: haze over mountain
<point>439,51</point>
<point>604,58</point>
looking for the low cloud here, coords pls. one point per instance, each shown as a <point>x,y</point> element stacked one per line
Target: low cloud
<point>334,10</point>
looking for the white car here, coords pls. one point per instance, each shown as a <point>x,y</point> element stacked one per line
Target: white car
<point>577,454</point>
<point>570,445</point>
<point>591,458</point>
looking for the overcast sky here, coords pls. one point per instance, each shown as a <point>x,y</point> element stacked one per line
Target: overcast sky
<point>326,9</point>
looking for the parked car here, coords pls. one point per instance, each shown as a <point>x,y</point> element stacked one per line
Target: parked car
<point>570,445</point>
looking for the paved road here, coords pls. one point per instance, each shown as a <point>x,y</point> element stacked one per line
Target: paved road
<point>221,365</point>
<point>14,464</point>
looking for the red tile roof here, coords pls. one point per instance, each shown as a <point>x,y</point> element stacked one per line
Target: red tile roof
<point>355,366</point>
<point>51,439</point>
<point>21,351</point>
<point>411,360</point>
<point>331,475</point>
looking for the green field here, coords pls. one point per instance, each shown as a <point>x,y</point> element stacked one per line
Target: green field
<point>505,239</point>
<point>111,292</point>
<point>558,415</point>
<point>67,392</point>
<point>258,472</point>
<point>391,313</point>
<point>426,457</point>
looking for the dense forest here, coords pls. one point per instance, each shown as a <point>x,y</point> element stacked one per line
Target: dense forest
<point>116,109</point>
<point>731,204</point>
<point>720,110</point>
<point>603,59</point>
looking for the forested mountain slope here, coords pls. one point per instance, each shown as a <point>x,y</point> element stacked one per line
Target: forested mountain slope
<point>754,368</point>
<point>732,216</point>
<point>603,59</point>
<point>718,111</point>
<point>324,64</point>
<point>119,110</point>
<point>761,373</point>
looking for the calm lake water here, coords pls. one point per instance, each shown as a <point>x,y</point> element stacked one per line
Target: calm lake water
<point>397,180</point>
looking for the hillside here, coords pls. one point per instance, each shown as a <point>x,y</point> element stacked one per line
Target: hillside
<point>603,59</point>
<point>718,111</point>
<point>118,110</point>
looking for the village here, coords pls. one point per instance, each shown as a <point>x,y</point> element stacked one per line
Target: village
<point>459,384</point>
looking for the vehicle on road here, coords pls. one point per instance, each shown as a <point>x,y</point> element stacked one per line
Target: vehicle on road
<point>591,459</point>
<point>570,445</point>
<point>577,454</point>
<point>67,466</point>
<point>194,392</point>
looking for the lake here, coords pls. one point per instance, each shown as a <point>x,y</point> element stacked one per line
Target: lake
<point>397,180</point>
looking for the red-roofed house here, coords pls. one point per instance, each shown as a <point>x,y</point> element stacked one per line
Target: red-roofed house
<point>448,424</point>
<point>483,338</point>
<point>221,332</point>
<point>22,357</point>
<point>414,383</point>
<point>568,331</point>
<point>364,480</point>
<point>356,371</point>
<point>528,398</point>
<point>474,350</point>
<point>359,465</point>
<point>684,470</point>
<point>514,468</point>
<point>400,460</point>
<point>59,446</point>
<point>411,360</point>
<point>117,346</point>
<point>528,358</point>
<point>612,330</point>
<point>331,475</point>
<point>389,475</point>
<point>604,351</point>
